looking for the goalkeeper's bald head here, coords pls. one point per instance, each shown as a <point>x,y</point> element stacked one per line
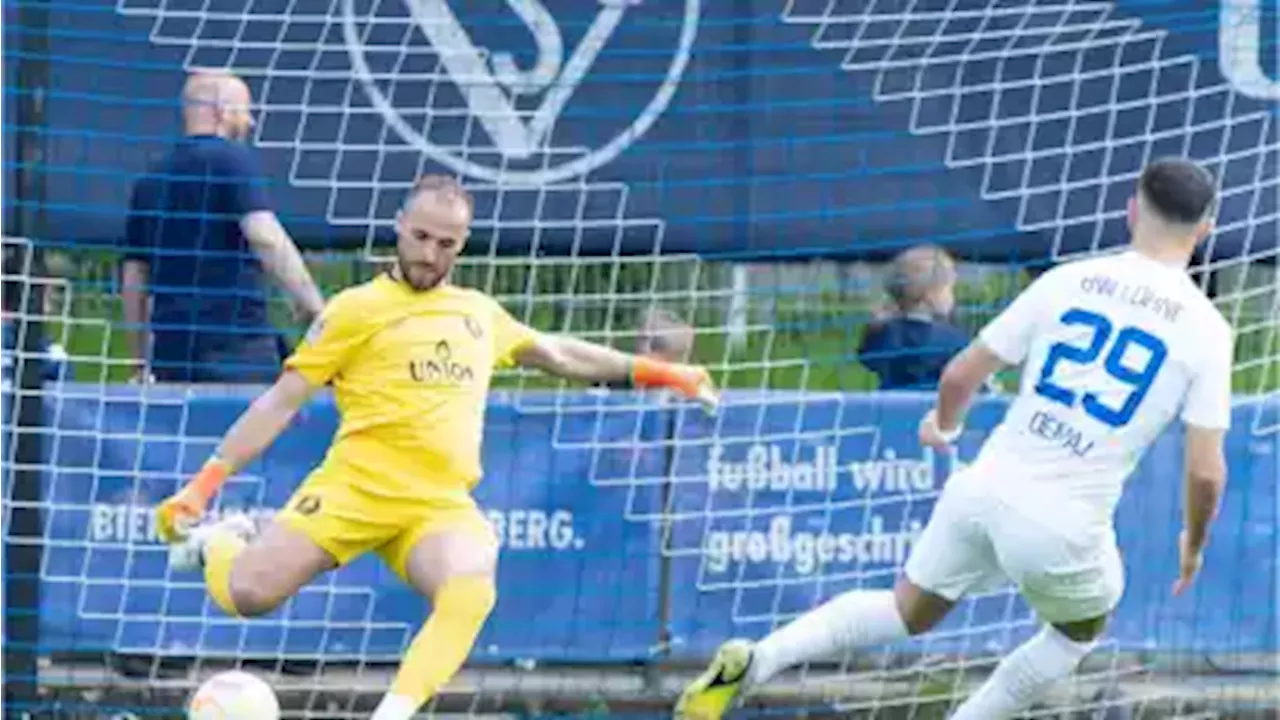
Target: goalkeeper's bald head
<point>216,102</point>
<point>431,229</point>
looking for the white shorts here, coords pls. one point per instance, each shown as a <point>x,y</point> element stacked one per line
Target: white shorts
<point>976,541</point>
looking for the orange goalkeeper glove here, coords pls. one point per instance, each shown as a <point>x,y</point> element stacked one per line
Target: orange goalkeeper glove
<point>689,380</point>
<point>181,510</point>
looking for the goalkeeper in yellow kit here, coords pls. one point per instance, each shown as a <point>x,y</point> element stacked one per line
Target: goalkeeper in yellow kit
<point>410,358</point>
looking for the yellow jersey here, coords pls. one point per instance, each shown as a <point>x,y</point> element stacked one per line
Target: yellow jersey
<point>410,372</point>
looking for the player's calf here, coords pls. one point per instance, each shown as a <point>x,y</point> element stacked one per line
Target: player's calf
<point>188,553</point>
<point>215,547</point>
<point>454,567</point>
<point>248,572</point>
<point>267,571</point>
<point>854,619</point>
<point>1049,657</point>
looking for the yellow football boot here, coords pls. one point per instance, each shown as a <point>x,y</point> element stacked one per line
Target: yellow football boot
<point>711,695</point>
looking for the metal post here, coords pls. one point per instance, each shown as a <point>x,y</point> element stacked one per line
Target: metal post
<point>23,542</point>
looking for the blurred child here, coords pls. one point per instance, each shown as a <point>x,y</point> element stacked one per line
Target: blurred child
<point>665,336</point>
<point>911,340</point>
<point>662,335</point>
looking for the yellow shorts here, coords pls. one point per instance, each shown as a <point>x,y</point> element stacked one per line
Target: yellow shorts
<point>334,509</point>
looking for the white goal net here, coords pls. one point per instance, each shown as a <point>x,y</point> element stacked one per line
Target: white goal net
<point>738,171</point>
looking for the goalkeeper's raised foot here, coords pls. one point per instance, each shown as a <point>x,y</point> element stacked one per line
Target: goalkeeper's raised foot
<point>711,695</point>
<point>188,553</point>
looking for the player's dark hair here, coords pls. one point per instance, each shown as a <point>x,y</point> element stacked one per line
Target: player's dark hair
<point>443,184</point>
<point>1178,190</point>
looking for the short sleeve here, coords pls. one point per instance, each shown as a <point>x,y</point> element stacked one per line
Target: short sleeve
<point>329,342</point>
<point>1010,334</point>
<point>951,340</point>
<point>1208,402</point>
<point>247,184</point>
<point>872,352</point>
<point>510,336</point>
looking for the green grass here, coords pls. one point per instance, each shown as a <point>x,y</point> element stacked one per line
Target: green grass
<point>803,334</point>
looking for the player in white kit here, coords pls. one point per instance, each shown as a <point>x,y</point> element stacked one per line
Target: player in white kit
<point>1112,350</point>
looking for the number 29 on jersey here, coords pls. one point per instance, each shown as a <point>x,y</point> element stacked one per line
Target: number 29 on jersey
<point>1111,345</point>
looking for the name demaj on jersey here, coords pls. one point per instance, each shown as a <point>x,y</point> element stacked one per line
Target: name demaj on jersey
<point>1113,349</point>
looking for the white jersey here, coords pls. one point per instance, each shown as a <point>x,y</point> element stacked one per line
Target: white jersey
<point>1112,349</point>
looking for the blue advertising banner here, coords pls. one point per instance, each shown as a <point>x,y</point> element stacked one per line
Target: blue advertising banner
<point>800,501</point>
<point>568,560</point>
<point>728,128</point>
<point>776,504</point>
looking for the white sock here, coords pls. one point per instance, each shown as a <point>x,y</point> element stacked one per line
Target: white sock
<point>1041,661</point>
<point>395,707</point>
<point>855,619</point>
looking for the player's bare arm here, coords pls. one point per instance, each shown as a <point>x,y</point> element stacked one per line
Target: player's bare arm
<point>135,277</point>
<point>1206,415</point>
<point>575,359</point>
<point>963,376</point>
<point>252,433</point>
<point>1205,480</point>
<point>280,256</point>
<point>218,103</point>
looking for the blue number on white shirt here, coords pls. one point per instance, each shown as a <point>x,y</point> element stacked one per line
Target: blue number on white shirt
<point>1139,379</point>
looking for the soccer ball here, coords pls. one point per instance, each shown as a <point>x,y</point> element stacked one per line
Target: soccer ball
<point>234,695</point>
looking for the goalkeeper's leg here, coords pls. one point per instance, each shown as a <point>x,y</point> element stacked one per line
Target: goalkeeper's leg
<point>455,567</point>
<point>247,573</point>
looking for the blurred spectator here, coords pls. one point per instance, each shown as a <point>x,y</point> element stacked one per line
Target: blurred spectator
<point>661,335</point>
<point>665,336</point>
<point>911,340</point>
<point>52,356</point>
<point>200,233</point>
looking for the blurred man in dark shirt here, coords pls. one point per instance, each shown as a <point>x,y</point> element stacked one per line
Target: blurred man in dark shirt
<point>909,345</point>
<point>201,233</point>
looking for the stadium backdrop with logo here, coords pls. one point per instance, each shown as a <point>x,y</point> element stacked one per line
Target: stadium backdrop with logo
<point>1005,133</point>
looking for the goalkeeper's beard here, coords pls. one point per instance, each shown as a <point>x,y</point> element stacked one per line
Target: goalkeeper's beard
<point>419,276</point>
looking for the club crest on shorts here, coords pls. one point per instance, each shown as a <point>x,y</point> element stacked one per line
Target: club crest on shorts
<point>435,69</point>
<point>307,505</point>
